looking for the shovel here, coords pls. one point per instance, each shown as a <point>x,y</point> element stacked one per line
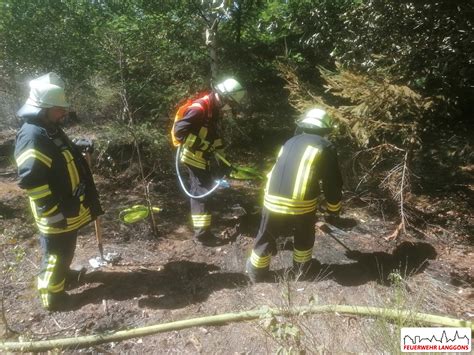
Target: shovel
<point>326,229</point>
<point>110,257</point>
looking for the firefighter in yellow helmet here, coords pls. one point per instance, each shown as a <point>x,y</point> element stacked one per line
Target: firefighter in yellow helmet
<point>293,184</point>
<point>196,131</point>
<point>58,182</point>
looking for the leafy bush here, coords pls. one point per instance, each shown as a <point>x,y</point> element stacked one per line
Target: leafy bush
<point>117,149</point>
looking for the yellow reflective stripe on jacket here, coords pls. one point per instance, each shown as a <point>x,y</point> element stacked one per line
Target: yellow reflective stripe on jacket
<point>39,192</point>
<point>202,132</point>
<point>72,220</point>
<point>190,140</point>
<point>283,201</point>
<point>76,221</point>
<point>304,170</point>
<point>302,256</point>
<point>35,154</point>
<point>217,143</point>
<point>285,205</point>
<point>46,221</point>
<point>199,155</point>
<point>334,208</point>
<point>221,157</point>
<point>51,211</point>
<point>53,230</point>
<point>190,158</point>
<point>72,169</point>
<point>260,262</point>
<point>203,135</point>
<point>201,220</point>
<point>44,224</point>
<point>269,175</point>
<point>280,152</point>
<point>192,162</point>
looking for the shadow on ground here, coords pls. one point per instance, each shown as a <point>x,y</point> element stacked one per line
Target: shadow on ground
<point>407,259</point>
<point>177,285</point>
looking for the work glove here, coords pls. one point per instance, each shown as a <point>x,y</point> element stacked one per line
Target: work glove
<point>84,145</point>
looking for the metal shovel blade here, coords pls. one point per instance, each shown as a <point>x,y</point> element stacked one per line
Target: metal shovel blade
<point>108,259</point>
<point>327,229</point>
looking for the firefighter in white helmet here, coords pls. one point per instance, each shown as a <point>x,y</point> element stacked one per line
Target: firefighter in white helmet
<point>293,184</point>
<point>195,129</point>
<point>59,185</point>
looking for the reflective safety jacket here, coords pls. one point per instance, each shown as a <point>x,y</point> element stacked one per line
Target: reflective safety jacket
<point>56,178</point>
<point>197,132</point>
<point>294,182</point>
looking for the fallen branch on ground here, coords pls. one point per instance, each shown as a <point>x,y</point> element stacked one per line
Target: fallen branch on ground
<point>222,319</point>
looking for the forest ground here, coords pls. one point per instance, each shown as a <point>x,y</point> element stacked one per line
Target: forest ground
<point>169,277</point>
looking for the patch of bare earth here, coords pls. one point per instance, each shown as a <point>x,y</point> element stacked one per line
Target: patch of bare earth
<point>168,277</point>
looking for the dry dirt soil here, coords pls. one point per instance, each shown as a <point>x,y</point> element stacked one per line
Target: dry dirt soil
<point>168,277</point>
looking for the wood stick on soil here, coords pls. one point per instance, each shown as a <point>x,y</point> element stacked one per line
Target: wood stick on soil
<point>223,319</point>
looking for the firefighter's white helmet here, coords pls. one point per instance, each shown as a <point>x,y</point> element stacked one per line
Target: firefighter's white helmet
<point>231,88</point>
<point>318,118</point>
<point>317,121</point>
<point>45,92</point>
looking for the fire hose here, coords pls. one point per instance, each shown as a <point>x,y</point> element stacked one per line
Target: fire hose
<point>220,182</point>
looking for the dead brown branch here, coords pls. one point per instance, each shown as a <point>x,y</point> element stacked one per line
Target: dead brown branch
<point>397,182</point>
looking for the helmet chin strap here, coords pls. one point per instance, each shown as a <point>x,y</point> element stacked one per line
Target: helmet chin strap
<point>224,102</point>
<point>218,100</point>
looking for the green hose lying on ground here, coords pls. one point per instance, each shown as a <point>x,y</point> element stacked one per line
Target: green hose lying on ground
<point>245,173</point>
<point>222,319</point>
<point>137,213</point>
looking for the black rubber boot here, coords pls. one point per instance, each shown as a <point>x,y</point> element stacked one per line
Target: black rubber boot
<point>255,274</point>
<point>75,277</point>
<point>209,240</point>
<point>59,302</point>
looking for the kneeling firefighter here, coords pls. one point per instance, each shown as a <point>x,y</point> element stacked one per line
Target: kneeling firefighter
<point>195,133</point>
<point>59,184</point>
<point>291,191</point>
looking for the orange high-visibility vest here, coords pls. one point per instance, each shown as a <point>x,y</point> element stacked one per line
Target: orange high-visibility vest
<point>182,110</point>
